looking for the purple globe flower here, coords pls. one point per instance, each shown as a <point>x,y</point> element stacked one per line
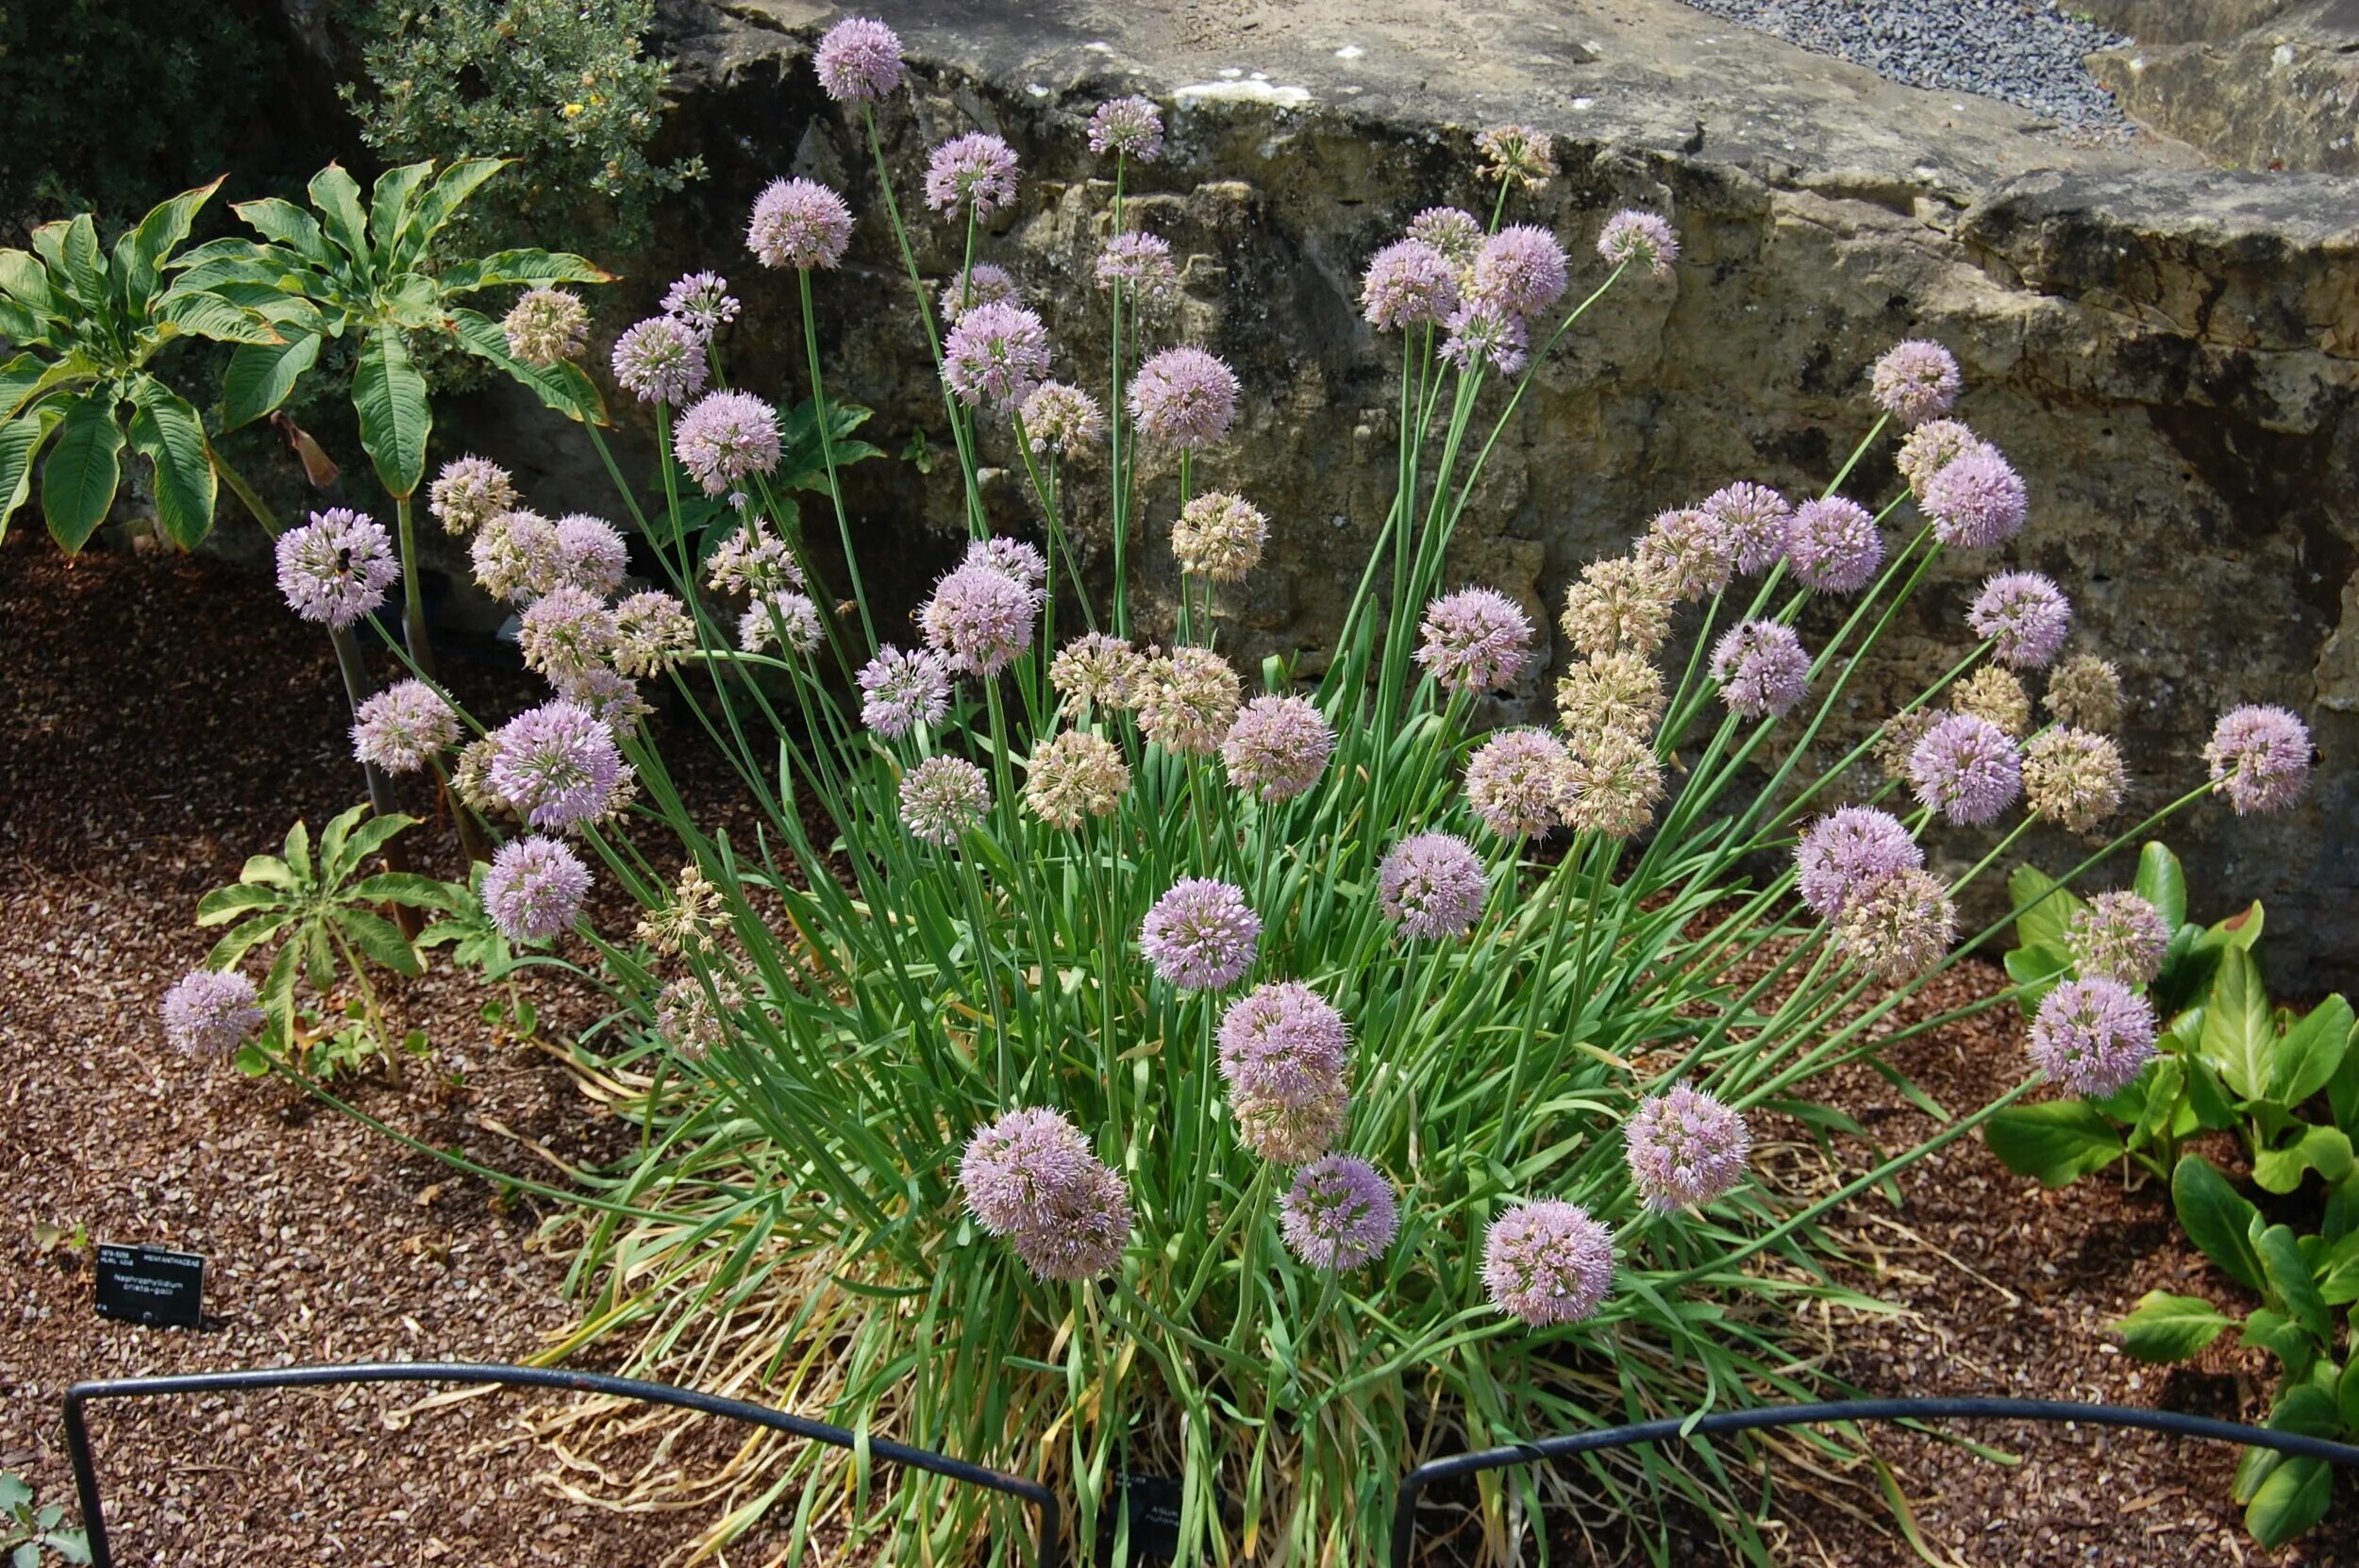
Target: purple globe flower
<point>977,169</point>
<point>1062,419</point>
<point>1898,927</point>
<point>1286,1134</point>
<point>1202,935</point>
<point>1915,380</point>
<point>982,284</point>
<point>1219,536</point>
<point>1127,127</point>
<point>783,616</point>
<point>859,60</point>
<point>943,798</point>
<point>1140,263</point>
<point>1932,447</point>
<point>403,726</point>
<point>1453,231</point>
<point>1278,747</point>
<point>1486,332</point>
<point>1476,640</point>
<point>335,567</point>
<point>1967,769</point>
<point>1637,237</point>
<point>901,691</point>
<point>1085,1229</point>
<point>593,554</point>
<point>557,766</point>
<point>469,492</point>
<point>2093,1035</point>
<point>1512,782</point>
<point>1848,852</point>
<point>1019,558</point>
<point>1833,545</point>
<point>1339,1214</point>
<point>1031,1177</point>
<point>1752,518</point>
<point>1283,1042</point>
<point>1762,669</point>
<point>1685,1148</point>
<point>566,633</point>
<point>1187,701</point>
<point>652,630</point>
<point>995,356</point>
<point>981,617</point>
<point>702,303</point>
<point>798,223</point>
<point>2259,758</point>
<point>2025,615</point>
<point>533,888</point>
<point>2118,936</point>
<point>207,1014</point>
<point>1185,397</point>
<point>661,359</point>
<point>546,325</point>
<point>1521,269</point>
<point>1432,885</point>
<point>1408,283</point>
<point>1517,155</point>
<point>1688,549</point>
<point>725,438</point>
<point>518,555</point>
<point>1977,501</point>
<point>1547,1262</point>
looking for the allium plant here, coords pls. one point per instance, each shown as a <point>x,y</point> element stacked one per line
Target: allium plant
<point>1100,1059</point>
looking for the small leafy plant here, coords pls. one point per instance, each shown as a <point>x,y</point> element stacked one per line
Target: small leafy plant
<point>29,1528</point>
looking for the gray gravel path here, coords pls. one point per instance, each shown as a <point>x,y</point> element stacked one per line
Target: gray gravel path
<point>2025,51</point>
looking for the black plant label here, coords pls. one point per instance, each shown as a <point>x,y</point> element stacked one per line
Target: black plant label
<point>151,1285</point>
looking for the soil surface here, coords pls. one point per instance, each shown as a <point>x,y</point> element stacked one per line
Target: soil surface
<point>164,718</point>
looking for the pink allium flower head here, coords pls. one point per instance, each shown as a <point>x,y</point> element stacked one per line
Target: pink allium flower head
<point>1187,700</point>
<point>943,797</point>
<point>1512,782</point>
<point>1900,927</point>
<point>566,632</point>
<point>1062,419</point>
<point>335,569</point>
<point>1848,852</point>
<point>611,698</point>
<point>518,555</point>
<point>1097,667</point>
<point>859,60</point>
<point>1521,268</point>
<point>557,766</point>
<point>1483,331</point>
<point>1075,777</point>
<point>401,727</point>
<point>981,617</point>
<point>1202,935</point>
<point>2092,1035</point>
<point>1142,264</point>
<point>1278,747</point>
<point>1639,239</point>
<point>1610,784</point>
<point>2260,759</point>
<point>1184,397</point>
<point>977,169</point>
<point>1283,1042</point>
<point>995,356</point>
<point>2025,615</point>
<point>1219,536</point>
<point>1967,769</point>
<point>1685,1147</point>
<point>1019,558</point>
<point>1453,231</point>
<point>1288,1134</point>
<point>2118,936</point>
<point>1977,501</point>
<point>1339,1214</point>
<point>1087,1229</point>
<point>592,553</point>
<point>1031,1177</point>
<point>725,438</point>
<point>702,303</point>
<point>1517,155</point>
<point>1127,127</point>
<point>982,284</point>
<point>1833,545</point>
<point>1930,448</point>
<point>1476,640</point>
<point>469,492</point>
<point>783,616</point>
<point>1762,669</point>
<point>1687,548</point>
<point>652,629</point>
<point>1547,1262</point>
<point>1432,885</point>
<point>534,887</point>
<point>659,360</point>
<point>207,1014</point>
<point>1752,517</point>
<point>752,560</point>
<point>2085,691</point>
<point>546,325</point>
<point>1408,283</point>
<point>900,691</point>
<point>1915,380</point>
<point>798,223</point>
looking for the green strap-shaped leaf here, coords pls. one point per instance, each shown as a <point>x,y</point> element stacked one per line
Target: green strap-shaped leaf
<point>2288,1275</point>
<point>168,433</point>
<point>139,253</point>
<point>79,476</point>
<point>2216,1218</point>
<point>441,201</point>
<point>24,279</point>
<point>2161,883</point>
<point>2056,1141</point>
<point>239,941</point>
<point>391,202</point>
<point>533,268</point>
<point>337,197</point>
<point>390,396</point>
<point>2168,1328</point>
<point>260,377</point>
<point>2290,1501</point>
<point>562,387</point>
<point>2239,1037</point>
<point>238,898</point>
<point>332,859</point>
<point>410,888</point>
<point>2325,1150</point>
<point>201,313</point>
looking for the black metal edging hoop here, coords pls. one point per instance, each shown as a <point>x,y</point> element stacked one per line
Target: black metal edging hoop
<point>1546,1450</point>
<point>1048,1554</point>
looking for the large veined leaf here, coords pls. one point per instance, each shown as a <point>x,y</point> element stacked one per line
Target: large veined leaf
<point>2216,1218</point>
<point>397,415</point>
<point>168,433</point>
<point>441,200</point>
<point>283,223</point>
<point>2239,1037</point>
<point>19,438</point>
<point>2293,1498</point>
<point>79,476</point>
<point>139,253</point>
<point>21,325</point>
<point>2056,1141</point>
<point>562,386</point>
<point>533,268</point>
<point>389,204</point>
<point>2288,1275</point>
<point>2168,1328</point>
<point>203,315</point>
<point>2162,883</point>
<point>81,266</point>
<point>23,279</point>
<point>260,377</point>
<point>337,197</point>
<point>2309,1053</point>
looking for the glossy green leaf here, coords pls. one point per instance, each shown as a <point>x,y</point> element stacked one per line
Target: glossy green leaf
<point>397,416</point>
<point>380,939</point>
<point>283,223</point>
<point>2347,1395</point>
<point>141,253</point>
<point>2166,1327</point>
<point>2342,1090</point>
<point>336,196</point>
<point>2240,930</point>
<point>2162,883</point>
<point>2055,1141</point>
<point>2309,1054</point>
<point>2337,1274</point>
<point>2047,910</point>
<point>79,476</point>
<point>261,375</point>
<point>353,847</point>
<point>2282,1337</point>
<point>2288,1275</point>
<point>528,268</point>
<point>81,266</point>
<point>2164,1088</point>
<point>2216,1219</point>
<point>203,314</point>
<point>2325,1150</point>
<point>441,202</point>
<point>2289,1502</point>
<point>238,898</point>
<point>390,201</point>
<point>20,440</point>
<point>170,434</point>
<point>2239,1036</point>
<point>24,279</point>
<point>21,326</point>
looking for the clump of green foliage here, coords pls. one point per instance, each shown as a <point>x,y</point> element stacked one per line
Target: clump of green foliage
<point>564,88</point>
